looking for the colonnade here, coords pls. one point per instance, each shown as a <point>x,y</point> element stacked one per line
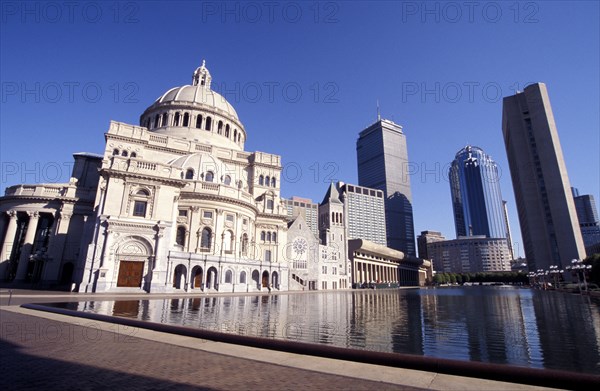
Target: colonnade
<point>366,272</point>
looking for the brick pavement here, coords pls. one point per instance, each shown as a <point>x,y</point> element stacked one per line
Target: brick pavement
<point>38,353</point>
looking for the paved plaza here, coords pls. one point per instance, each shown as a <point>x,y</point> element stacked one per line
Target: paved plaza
<point>49,351</point>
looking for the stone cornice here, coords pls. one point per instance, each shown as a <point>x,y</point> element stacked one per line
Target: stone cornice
<point>128,174</point>
<point>69,200</point>
<point>132,140</point>
<point>215,197</point>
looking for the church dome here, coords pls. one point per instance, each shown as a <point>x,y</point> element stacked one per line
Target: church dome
<point>196,112</point>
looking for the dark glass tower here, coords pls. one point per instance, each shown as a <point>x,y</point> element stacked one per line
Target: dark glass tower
<point>383,164</point>
<point>476,196</point>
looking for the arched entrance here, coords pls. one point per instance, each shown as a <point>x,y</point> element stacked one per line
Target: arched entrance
<point>132,258</point>
<point>179,277</point>
<point>197,274</point>
<point>265,279</point>
<point>212,281</point>
<point>275,280</point>
<point>256,279</point>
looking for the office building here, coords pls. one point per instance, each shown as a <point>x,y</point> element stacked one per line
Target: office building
<point>547,215</point>
<point>476,196</point>
<point>470,254</point>
<point>587,214</point>
<point>424,239</point>
<point>383,164</point>
<point>365,212</point>
<point>309,210</point>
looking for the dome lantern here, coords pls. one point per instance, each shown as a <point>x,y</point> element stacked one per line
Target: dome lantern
<point>202,76</point>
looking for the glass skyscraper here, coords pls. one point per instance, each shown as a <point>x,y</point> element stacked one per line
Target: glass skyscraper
<point>383,164</point>
<point>476,197</point>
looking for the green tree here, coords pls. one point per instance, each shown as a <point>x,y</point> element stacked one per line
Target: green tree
<point>453,278</point>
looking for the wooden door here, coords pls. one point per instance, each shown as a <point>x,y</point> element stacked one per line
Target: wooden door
<point>130,274</point>
<point>198,279</point>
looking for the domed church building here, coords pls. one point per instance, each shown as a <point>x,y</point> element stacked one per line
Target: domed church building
<point>173,204</point>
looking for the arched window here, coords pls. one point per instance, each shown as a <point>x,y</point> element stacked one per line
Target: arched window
<point>133,154</point>
<point>263,236</point>
<point>332,217</point>
<point>227,129</point>
<point>267,181</point>
<point>273,182</point>
<point>186,119</point>
<point>124,153</point>
<point>165,118</point>
<point>176,120</point>
<point>208,123</point>
<point>156,119</point>
<point>235,135</point>
<point>228,277</point>
<point>206,238</point>
<point>227,180</point>
<point>115,152</point>
<point>220,127</point>
<point>189,174</point>
<point>143,193</point>
<point>275,237</point>
<point>243,277</point>
<point>261,180</point>
<point>209,177</point>
<point>268,236</point>
<point>199,121</point>
<point>180,238</point>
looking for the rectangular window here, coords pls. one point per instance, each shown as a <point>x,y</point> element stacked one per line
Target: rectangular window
<point>182,213</point>
<point>268,255</point>
<point>207,214</point>
<point>139,208</point>
<point>324,270</point>
<point>229,218</point>
<point>324,284</point>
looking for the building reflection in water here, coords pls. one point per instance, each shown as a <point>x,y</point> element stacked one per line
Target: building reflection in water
<point>506,326</point>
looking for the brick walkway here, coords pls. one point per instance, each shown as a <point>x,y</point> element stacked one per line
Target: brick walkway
<point>38,353</point>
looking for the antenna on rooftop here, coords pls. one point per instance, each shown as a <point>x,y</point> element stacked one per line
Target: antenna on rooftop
<point>378,113</point>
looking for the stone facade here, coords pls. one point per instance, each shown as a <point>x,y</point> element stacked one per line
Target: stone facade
<point>176,204</point>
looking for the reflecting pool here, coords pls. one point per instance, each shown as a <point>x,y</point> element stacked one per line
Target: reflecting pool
<point>532,328</point>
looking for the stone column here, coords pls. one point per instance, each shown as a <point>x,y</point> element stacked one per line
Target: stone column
<point>56,247</point>
<point>27,246</point>
<point>157,266</point>
<point>8,243</point>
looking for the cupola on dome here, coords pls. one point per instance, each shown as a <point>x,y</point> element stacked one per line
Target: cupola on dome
<point>196,112</point>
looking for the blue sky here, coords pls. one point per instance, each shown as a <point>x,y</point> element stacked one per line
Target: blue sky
<point>304,78</point>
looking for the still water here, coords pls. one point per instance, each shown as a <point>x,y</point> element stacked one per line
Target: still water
<point>524,327</point>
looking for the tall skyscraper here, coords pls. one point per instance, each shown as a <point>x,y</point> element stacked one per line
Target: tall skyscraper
<point>383,164</point>
<point>585,205</point>
<point>549,224</point>
<point>476,195</point>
